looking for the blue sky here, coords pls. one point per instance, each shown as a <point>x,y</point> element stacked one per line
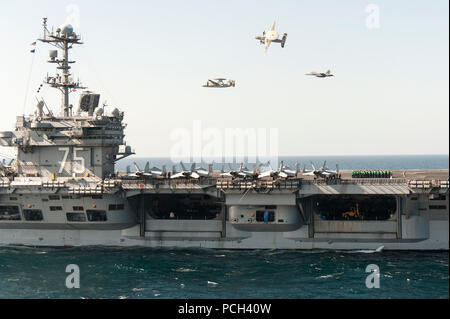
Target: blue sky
<point>149,58</point>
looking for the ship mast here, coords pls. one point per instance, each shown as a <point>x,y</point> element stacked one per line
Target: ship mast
<point>64,39</point>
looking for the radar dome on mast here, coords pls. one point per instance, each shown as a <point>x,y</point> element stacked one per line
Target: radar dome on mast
<point>67,30</point>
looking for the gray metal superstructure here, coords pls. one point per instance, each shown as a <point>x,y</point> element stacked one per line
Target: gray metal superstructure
<point>63,190</point>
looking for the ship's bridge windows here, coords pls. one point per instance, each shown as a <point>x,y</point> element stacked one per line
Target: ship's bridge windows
<point>76,217</point>
<point>97,196</point>
<point>9,212</point>
<point>96,215</point>
<point>116,207</point>
<point>53,197</point>
<point>55,208</point>
<point>78,208</point>
<point>261,215</point>
<point>33,214</point>
<point>13,198</point>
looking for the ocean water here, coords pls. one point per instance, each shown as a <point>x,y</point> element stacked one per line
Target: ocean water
<point>203,273</point>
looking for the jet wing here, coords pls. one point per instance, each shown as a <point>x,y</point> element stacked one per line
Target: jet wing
<point>227,174</point>
<point>178,175</point>
<point>282,174</point>
<point>213,83</point>
<point>265,174</point>
<point>194,175</point>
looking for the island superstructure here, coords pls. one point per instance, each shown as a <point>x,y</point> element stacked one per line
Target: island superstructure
<point>63,190</point>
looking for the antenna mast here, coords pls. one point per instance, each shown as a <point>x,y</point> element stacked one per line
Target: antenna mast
<point>64,39</point>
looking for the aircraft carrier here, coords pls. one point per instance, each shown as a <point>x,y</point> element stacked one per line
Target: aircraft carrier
<point>63,190</point>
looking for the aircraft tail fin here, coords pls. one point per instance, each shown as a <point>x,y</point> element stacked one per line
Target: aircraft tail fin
<point>128,169</point>
<point>283,40</point>
<point>136,166</point>
<point>164,170</point>
<point>379,249</point>
<point>210,168</point>
<point>192,167</point>
<point>258,169</point>
<point>328,72</point>
<point>147,167</point>
<point>312,164</point>
<point>297,168</point>
<point>182,166</point>
<point>174,169</point>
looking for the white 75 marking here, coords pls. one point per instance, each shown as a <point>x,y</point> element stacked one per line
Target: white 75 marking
<point>66,150</point>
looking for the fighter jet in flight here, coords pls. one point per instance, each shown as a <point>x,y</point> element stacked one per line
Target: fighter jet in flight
<point>320,75</point>
<point>271,36</point>
<point>219,83</point>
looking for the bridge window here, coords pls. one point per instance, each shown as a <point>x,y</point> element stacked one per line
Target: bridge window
<point>13,198</point>
<point>55,208</point>
<point>33,214</point>
<point>9,213</point>
<point>53,197</point>
<point>76,217</point>
<point>96,215</point>
<point>78,208</point>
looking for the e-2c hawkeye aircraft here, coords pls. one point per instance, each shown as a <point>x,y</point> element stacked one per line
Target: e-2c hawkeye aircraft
<point>271,36</point>
<point>219,83</point>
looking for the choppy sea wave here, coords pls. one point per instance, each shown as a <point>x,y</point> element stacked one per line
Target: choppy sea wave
<point>203,273</point>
